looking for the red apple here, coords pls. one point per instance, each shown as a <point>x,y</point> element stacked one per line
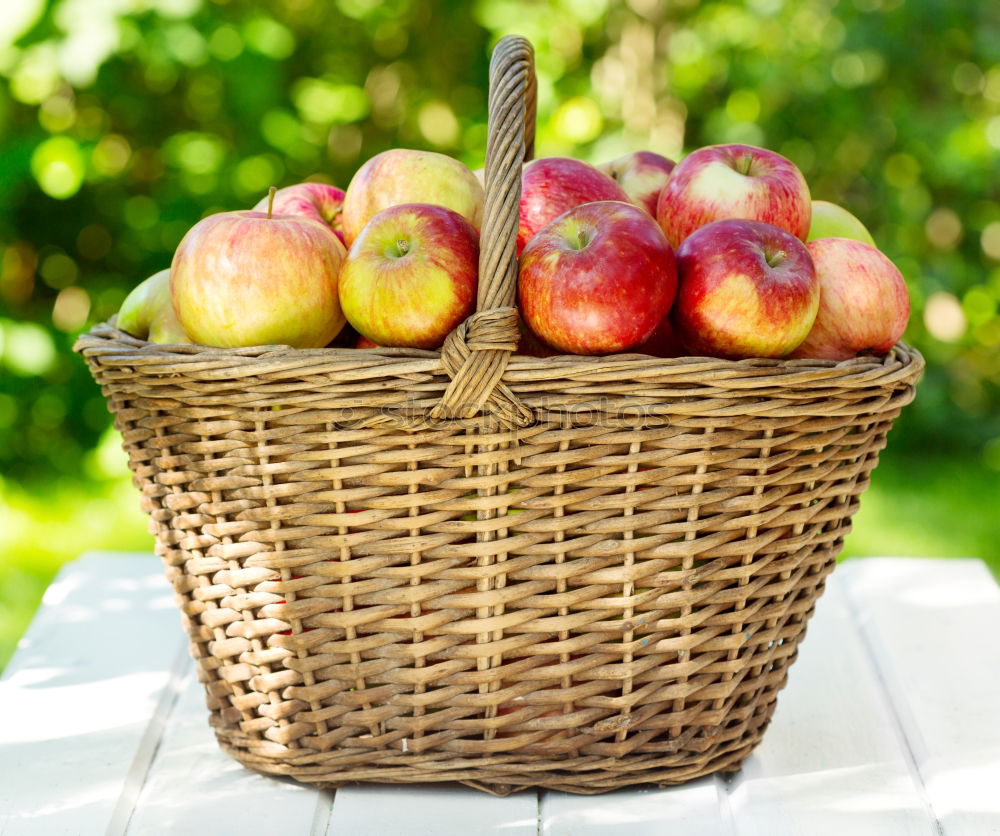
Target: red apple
<point>148,312</point>
<point>403,176</point>
<point>411,276</point>
<point>253,278</point>
<point>311,200</point>
<point>553,185</point>
<point>733,181</point>
<point>530,345</point>
<point>863,302</point>
<point>642,174</point>
<point>663,342</point>
<point>597,279</point>
<point>745,289</point>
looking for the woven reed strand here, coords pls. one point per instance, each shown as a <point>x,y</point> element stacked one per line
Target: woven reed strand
<point>606,595</point>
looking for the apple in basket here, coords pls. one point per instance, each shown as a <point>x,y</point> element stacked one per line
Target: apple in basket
<point>642,175</point>
<point>148,312</point>
<point>402,176</point>
<point>598,279</point>
<point>832,221</point>
<point>745,289</point>
<point>411,276</point>
<point>733,181</point>
<point>863,303</point>
<point>553,185</point>
<point>318,201</point>
<point>255,278</point>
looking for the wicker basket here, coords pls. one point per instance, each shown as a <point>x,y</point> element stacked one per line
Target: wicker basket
<point>579,573</point>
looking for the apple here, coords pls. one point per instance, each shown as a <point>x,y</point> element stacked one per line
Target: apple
<point>403,176</point>
<point>663,342</point>
<point>863,303</point>
<point>411,275</point>
<point>311,200</point>
<point>364,342</point>
<point>553,185</point>
<point>256,278</point>
<point>745,289</point>
<point>733,181</point>
<point>529,343</point>
<point>148,312</point>
<point>597,279</point>
<point>832,221</point>
<point>642,175</point>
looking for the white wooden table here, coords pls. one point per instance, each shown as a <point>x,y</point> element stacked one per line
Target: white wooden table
<point>890,724</point>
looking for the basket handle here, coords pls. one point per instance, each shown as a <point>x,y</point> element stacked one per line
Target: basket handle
<point>476,353</point>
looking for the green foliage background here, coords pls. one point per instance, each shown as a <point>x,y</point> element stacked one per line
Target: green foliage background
<point>121,124</point>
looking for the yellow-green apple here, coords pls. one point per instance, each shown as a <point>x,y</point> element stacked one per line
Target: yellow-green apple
<point>863,303</point>
<point>319,201</point>
<point>733,181</point>
<point>256,278</point>
<point>597,279</point>
<point>553,185</point>
<point>411,275</point>
<point>148,312</point>
<point>832,221</point>
<point>642,175</point>
<point>401,176</point>
<point>745,289</point>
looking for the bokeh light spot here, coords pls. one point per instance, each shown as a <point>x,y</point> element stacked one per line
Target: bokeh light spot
<point>943,228</point>
<point>990,240</point>
<point>71,308</point>
<point>58,270</point>
<point>26,349</point>
<point>944,317</point>
<point>110,155</point>
<point>58,167</point>
<point>438,124</point>
<point>578,120</point>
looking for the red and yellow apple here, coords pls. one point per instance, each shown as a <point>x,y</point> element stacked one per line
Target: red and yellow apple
<point>318,201</point>
<point>642,175</point>
<point>553,185</point>
<point>400,176</point>
<point>745,289</point>
<point>597,279</point>
<point>256,278</point>
<point>411,276</point>
<point>148,312</point>
<point>864,305</point>
<point>733,181</point>
<point>832,221</point>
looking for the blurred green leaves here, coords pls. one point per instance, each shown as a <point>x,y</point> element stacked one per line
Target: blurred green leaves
<point>122,124</point>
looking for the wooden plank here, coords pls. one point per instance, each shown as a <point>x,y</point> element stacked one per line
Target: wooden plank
<point>833,760</point>
<point>699,808</point>
<point>431,810</point>
<point>194,787</point>
<point>933,627</point>
<point>79,699</point>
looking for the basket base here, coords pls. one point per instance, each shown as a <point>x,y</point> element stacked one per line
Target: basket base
<point>502,775</point>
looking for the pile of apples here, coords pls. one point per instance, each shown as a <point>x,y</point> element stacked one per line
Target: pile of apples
<point>723,254</point>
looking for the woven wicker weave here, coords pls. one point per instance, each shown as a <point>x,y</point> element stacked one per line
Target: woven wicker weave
<point>579,573</point>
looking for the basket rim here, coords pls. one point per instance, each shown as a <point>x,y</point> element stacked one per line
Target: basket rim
<point>105,343</point>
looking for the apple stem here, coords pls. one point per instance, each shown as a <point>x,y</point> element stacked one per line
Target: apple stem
<point>270,200</point>
<point>774,259</point>
<point>746,161</point>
